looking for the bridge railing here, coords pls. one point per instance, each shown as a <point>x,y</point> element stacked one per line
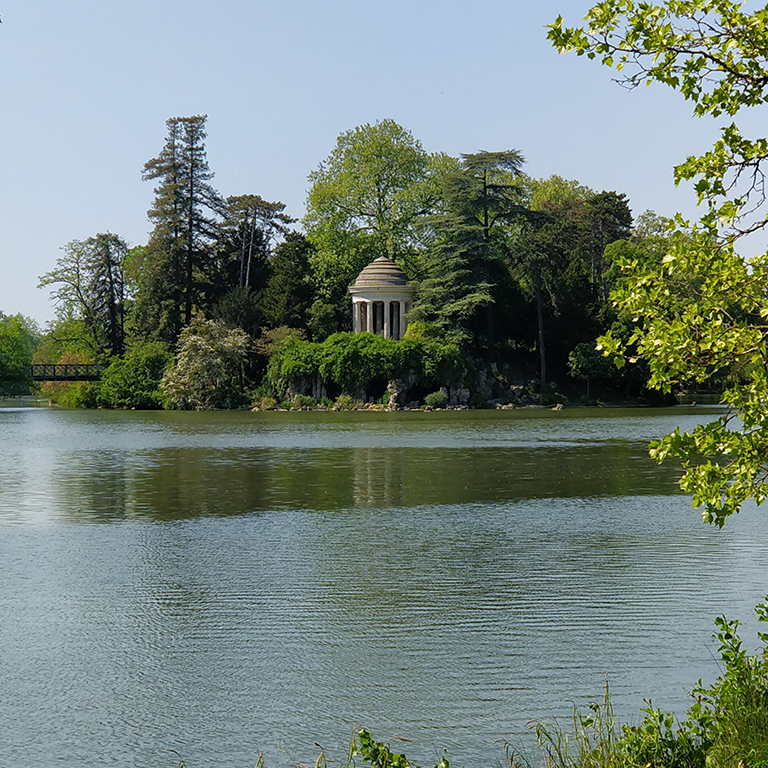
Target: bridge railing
<point>66,372</point>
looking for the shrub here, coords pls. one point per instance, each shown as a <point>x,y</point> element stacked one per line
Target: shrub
<point>437,399</point>
<point>292,360</point>
<point>477,400</point>
<point>738,701</point>
<point>441,363</point>
<point>321,320</point>
<point>346,403</point>
<point>354,362</point>
<point>379,754</point>
<point>595,740</point>
<point>134,381</point>
<point>208,368</point>
<point>78,394</point>
<point>264,402</point>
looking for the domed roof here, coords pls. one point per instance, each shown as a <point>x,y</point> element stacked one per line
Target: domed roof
<point>381,273</point>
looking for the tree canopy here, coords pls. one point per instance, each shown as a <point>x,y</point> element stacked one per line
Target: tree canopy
<point>701,313</point>
<point>18,339</point>
<point>499,262</point>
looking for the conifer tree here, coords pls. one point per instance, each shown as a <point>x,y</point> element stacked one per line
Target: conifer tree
<point>492,194</point>
<point>90,285</point>
<point>449,299</point>
<point>607,218</point>
<point>107,289</point>
<point>467,253</point>
<point>250,227</point>
<point>185,213</point>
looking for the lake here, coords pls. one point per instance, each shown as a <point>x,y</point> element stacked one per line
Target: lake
<point>224,584</point>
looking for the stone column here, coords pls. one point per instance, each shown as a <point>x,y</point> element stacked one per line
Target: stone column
<point>355,317</point>
<point>403,324</point>
<point>387,329</point>
<point>368,317</point>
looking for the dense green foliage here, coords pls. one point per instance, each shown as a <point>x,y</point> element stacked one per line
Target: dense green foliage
<point>510,275</point>
<point>699,312</point>
<point>90,284</point>
<point>134,381</point>
<point>18,339</point>
<point>353,363</point>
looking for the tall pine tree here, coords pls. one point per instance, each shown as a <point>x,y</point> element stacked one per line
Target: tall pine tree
<point>177,271</point>
<point>468,256</point>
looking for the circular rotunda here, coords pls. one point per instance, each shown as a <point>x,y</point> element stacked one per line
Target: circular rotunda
<point>381,300</point>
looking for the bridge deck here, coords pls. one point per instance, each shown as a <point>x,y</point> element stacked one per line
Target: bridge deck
<point>66,372</point>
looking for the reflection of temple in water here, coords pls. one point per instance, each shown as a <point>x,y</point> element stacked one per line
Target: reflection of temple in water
<point>379,477</point>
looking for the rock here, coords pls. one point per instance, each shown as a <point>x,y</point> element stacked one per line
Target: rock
<point>394,392</point>
<point>458,395</point>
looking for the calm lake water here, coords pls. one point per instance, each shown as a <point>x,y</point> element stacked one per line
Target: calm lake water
<point>226,584</point>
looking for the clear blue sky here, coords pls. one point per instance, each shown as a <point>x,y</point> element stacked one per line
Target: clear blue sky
<point>87,85</point>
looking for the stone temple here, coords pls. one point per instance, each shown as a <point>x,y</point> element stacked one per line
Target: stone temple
<point>381,300</point>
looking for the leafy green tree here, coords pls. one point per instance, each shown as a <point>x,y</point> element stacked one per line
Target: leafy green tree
<point>66,337</point>
<point>321,320</point>
<point>134,381</point>
<point>559,197</point>
<point>19,337</point>
<point>289,292</point>
<point>540,258</point>
<point>587,363</point>
<point>90,284</point>
<point>208,370</point>
<point>599,218</point>
<point>702,312</point>
<point>369,198</point>
<point>552,267</point>
<point>177,268</point>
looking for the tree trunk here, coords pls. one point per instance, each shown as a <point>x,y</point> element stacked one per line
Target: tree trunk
<point>490,331</point>
<point>250,252</point>
<point>542,349</point>
<point>242,255</point>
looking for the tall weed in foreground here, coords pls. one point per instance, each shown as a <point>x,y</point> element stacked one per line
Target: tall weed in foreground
<point>738,700</point>
<point>594,739</point>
